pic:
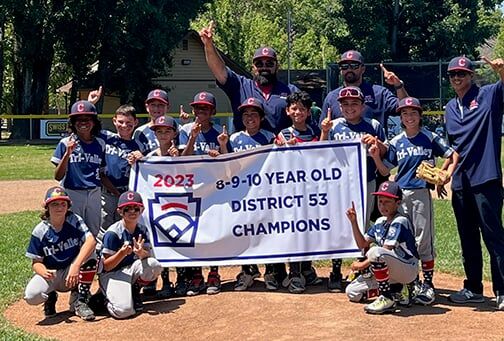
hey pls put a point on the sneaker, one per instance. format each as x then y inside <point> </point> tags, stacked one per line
<point>499,300</point>
<point>181,287</point>
<point>402,298</point>
<point>466,296</point>
<point>82,310</point>
<point>243,281</point>
<point>137,299</point>
<point>335,283</point>
<point>98,303</point>
<point>426,296</point>
<point>417,287</point>
<point>380,306</point>
<point>295,283</point>
<point>196,285</point>
<point>213,283</point>
<point>50,304</point>
<point>311,277</point>
<point>270,281</point>
<point>165,292</point>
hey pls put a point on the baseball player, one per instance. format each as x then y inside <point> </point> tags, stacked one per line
<point>61,249</point>
<point>264,85</point>
<point>407,151</point>
<point>127,264</point>
<point>393,258</point>
<point>473,125</point>
<point>80,160</point>
<point>251,137</point>
<point>353,124</point>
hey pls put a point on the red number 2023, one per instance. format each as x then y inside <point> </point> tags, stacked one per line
<point>178,180</point>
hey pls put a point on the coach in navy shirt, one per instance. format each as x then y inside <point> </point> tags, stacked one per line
<point>473,124</point>
<point>263,86</point>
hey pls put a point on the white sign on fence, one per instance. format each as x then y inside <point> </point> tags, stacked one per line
<point>266,205</point>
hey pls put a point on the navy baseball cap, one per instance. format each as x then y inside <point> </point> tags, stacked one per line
<point>164,121</point>
<point>159,95</point>
<point>204,98</point>
<point>409,102</point>
<point>389,189</point>
<point>252,102</point>
<point>351,56</point>
<point>350,92</point>
<point>265,52</point>
<point>83,108</point>
<point>461,63</point>
<point>56,193</point>
<point>130,198</point>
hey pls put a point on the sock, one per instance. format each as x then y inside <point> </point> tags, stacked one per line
<point>214,269</point>
<point>86,275</point>
<point>295,268</point>
<point>428,272</point>
<point>336,267</point>
<point>382,276</point>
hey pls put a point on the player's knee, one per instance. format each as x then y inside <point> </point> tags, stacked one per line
<point>34,297</point>
<point>375,254</point>
<point>120,311</point>
<point>353,294</point>
<point>152,268</point>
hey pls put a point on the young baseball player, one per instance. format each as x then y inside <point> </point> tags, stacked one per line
<point>407,151</point>
<point>393,258</point>
<point>200,138</point>
<point>252,113</point>
<point>79,160</point>
<point>353,125</point>
<point>61,248</point>
<point>298,109</point>
<point>127,264</point>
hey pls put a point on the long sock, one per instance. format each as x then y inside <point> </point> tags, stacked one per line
<point>86,275</point>
<point>214,269</point>
<point>336,267</point>
<point>428,272</point>
<point>382,275</point>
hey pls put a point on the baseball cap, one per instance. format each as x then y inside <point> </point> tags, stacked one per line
<point>265,52</point>
<point>130,198</point>
<point>56,193</point>
<point>389,189</point>
<point>164,121</point>
<point>351,56</point>
<point>409,102</point>
<point>252,102</point>
<point>350,92</point>
<point>158,94</point>
<point>204,98</point>
<point>461,63</point>
<point>83,108</point>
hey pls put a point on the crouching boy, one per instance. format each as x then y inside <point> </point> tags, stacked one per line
<point>393,260</point>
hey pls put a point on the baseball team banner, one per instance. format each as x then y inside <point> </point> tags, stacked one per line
<point>266,205</point>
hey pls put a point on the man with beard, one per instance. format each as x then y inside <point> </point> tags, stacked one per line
<point>263,86</point>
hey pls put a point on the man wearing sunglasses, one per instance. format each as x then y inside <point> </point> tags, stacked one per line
<point>264,85</point>
<point>473,124</point>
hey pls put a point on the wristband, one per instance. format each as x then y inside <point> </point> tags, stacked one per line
<point>400,86</point>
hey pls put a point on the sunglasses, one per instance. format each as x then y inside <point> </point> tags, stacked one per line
<point>353,66</point>
<point>267,63</point>
<point>135,209</point>
<point>460,74</point>
<point>350,93</point>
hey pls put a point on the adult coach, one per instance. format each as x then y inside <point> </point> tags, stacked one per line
<point>473,123</point>
<point>264,85</point>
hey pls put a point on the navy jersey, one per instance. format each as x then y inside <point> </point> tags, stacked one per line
<point>146,138</point>
<point>239,88</point>
<point>408,153</point>
<point>116,236</point>
<point>308,135</point>
<point>398,234</point>
<point>84,165</point>
<point>342,130</point>
<point>117,150</point>
<point>380,103</point>
<point>204,141</point>
<point>473,126</point>
<point>57,250</point>
<point>241,140</point>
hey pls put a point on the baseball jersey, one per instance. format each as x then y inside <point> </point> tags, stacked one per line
<point>116,236</point>
<point>57,250</point>
<point>308,135</point>
<point>473,126</point>
<point>239,88</point>
<point>146,138</point>
<point>117,150</point>
<point>342,130</point>
<point>204,141</point>
<point>396,234</point>
<point>84,165</point>
<point>380,103</point>
<point>407,153</point>
<point>241,140</point>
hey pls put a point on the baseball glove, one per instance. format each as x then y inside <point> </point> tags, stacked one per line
<point>431,174</point>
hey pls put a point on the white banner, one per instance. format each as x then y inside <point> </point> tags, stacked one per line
<point>266,205</point>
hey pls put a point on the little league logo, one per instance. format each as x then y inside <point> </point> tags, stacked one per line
<point>174,219</point>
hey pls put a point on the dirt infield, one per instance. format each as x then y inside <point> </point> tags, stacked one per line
<point>258,314</point>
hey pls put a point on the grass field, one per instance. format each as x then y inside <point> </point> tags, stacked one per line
<point>15,159</point>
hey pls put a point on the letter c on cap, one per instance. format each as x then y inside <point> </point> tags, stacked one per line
<point>349,55</point>
<point>265,51</point>
<point>384,186</point>
<point>131,196</point>
<point>462,62</point>
<point>80,107</point>
<point>157,93</point>
<point>202,95</point>
<point>251,100</point>
<point>409,101</point>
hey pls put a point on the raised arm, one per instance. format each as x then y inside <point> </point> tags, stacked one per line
<point>213,58</point>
